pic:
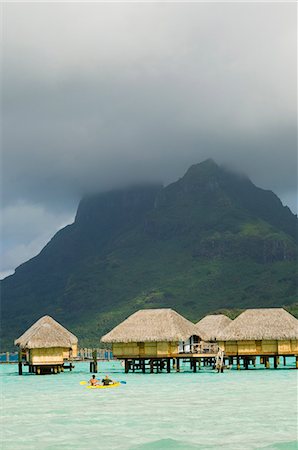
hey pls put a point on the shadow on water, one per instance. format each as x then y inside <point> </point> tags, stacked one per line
<point>169,444</point>
<point>292,445</point>
<point>172,444</point>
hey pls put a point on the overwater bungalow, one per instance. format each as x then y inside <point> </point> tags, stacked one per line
<point>153,337</point>
<point>46,347</point>
<point>210,326</point>
<point>270,332</point>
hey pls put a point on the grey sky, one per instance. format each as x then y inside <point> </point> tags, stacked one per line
<point>97,95</point>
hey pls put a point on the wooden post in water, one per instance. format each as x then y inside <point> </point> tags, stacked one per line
<point>296,362</point>
<point>177,365</point>
<point>275,362</point>
<point>168,365</point>
<point>151,366</point>
<point>199,363</point>
<point>238,363</point>
<point>126,366</point>
<point>246,363</point>
<point>94,364</point>
<point>20,363</point>
<point>267,364</point>
<point>285,362</point>
<point>194,365</point>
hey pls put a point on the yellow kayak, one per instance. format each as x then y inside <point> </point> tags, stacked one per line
<point>99,386</point>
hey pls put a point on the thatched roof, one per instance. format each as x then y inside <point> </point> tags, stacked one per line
<point>210,326</point>
<point>261,324</point>
<point>152,325</point>
<point>45,333</point>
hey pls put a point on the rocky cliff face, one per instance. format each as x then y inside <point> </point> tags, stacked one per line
<point>210,240</point>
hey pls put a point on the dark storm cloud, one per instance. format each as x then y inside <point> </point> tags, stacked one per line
<point>101,95</point>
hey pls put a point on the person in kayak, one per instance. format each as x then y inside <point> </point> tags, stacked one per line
<point>93,381</point>
<point>106,381</point>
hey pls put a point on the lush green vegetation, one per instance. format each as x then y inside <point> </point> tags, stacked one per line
<point>209,242</point>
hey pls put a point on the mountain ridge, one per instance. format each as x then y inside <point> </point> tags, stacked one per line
<point>211,240</point>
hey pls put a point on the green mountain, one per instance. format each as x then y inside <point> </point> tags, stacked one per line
<point>210,241</point>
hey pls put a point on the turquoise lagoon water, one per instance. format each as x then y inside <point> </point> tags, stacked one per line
<point>205,410</point>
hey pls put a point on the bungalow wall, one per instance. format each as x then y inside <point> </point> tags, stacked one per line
<point>75,350</point>
<point>144,349</point>
<point>265,347</point>
<point>70,353</point>
<point>44,356</point>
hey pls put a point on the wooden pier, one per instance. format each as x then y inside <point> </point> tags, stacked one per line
<point>159,365</point>
<point>197,362</point>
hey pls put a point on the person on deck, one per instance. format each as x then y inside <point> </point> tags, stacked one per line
<point>106,381</point>
<point>93,381</point>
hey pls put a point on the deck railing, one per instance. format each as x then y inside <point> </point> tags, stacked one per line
<point>201,348</point>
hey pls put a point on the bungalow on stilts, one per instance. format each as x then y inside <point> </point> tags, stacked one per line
<point>157,339</point>
<point>46,346</point>
<point>209,329</point>
<point>270,333</point>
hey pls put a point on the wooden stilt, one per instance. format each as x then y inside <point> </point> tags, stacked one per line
<point>20,368</point>
<point>143,366</point>
<point>168,365</point>
<point>194,365</point>
<point>285,361</point>
<point>199,363</point>
<point>177,365</point>
<point>267,364</point>
<point>151,365</point>
<point>238,363</point>
<point>275,362</point>
<point>126,366</point>
<point>296,362</point>
<point>174,363</point>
